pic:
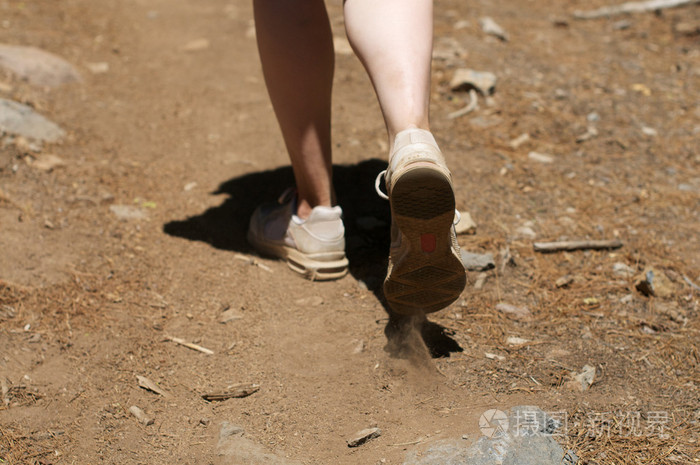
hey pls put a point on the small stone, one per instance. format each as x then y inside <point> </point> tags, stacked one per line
<point>466,79</point>
<point>196,45</point>
<point>359,347</point>
<point>520,140</point>
<point>516,341</point>
<point>489,26</point>
<point>466,224</point>
<point>189,186</point>
<point>480,280</point>
<point>651,132</point>
<point>518,313</point>
<point>228,430</point>
<point>127,212</point>
<point>16,118</point>
<point>491,356</point>
<point>37,66</point>
<point>654,283</point>
<point>477,262</point>
<point>582,381</point>
<point>622,269</point>
<point>98,68</point>
<point>564,281</point>
<point>313,301</point>
<point>230,315</point>
<point>540,157</point>
<point>687,28</point>
<point>141,416</point>
<point>204,421</point>
<point>526,232</point>
<point>363,436</point>
<point>47,162</point>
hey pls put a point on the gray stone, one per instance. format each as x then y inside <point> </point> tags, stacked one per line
<point>363,436</point>
<point>127,212</point>
<point>235,449</point>
<point>467,79</point>
<point>37,66</point>
<point>524,438</point>
<point>16,118</point>
<point>489,26</point>
<point>477,262</point>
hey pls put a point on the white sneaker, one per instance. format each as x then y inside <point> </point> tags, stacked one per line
<point>426,272</point>
<point>314,247</point>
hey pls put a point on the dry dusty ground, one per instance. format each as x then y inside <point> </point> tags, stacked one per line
<point>87,300</point>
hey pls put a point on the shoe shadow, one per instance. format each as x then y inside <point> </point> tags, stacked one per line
<point>367,220</point>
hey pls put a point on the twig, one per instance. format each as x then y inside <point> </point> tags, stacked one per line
<point>632,7</point>
<point>236,390</point>
<point>417,441</point>
<point>471,106</point>
<point>576,245</point>
<point>690,283</point>
<point>189,345</point>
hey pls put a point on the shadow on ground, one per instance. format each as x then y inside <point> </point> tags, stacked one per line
<point>367,220</point>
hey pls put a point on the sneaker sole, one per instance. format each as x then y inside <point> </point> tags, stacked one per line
<point>316,267</point>
<point>430,276</point>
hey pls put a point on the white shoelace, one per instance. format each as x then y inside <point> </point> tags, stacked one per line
<point>382,174</point>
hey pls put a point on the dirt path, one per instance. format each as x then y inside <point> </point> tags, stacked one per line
<point>87,300</point>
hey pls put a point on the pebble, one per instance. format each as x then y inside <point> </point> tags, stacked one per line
<point>520,140</point>
<point>540,157</point>
<point>654,283</point>
<point>47,162</point>
<point>622,269</point>
<point>477,262</point>
<point>516,341</point>
<point>564,281</point>
<point>466,79</point>
<point>100,67</point>
<point>16,118</point>
<point>313,301</point>
<point>141,416</point>
<point>491,356</point>
<point>466,224</point>
<point>127,212</point>
<point>514,311</point>
<point>196,45</point>
<point>230,315</point>
<point>526,232</point>
<point>37,66</point>
<point>582,381</point>
<point>363,436</point>
<point>489,26</point>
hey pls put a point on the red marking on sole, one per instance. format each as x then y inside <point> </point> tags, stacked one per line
<point>428,242</point>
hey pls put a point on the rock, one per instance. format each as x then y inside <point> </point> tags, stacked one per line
<point>140,416</point>
<point>480,280</point>
<point>522,437</point>
<point>489,26</point>
<point>127,212</point>
<point>22,120</point>
<point>363,436</point>
<point>651,132</point>
<point>526,232</point>
<point>466,79</point>
<point>359,347</point>
<point>564,281</point>
<point>477,262</point>
<point>235,449</point>
<point>98,68</point>
<point>582,381</point>
<point>516,341</point>
<point>540,157</point>
<point>466,224</point>
<point>654,283</point>
<point>230,315</point>
<point>37,66</point>
<point>687,28</point>
<point>342,46</point>
<point>313,301</point>
<point>196,45</point>
<point>622,269</point>
<point>520,140</point>
<point>47,162</point>
<point>518,313</point>
<point>491,356</point>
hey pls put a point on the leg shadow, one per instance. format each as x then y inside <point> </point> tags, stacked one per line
<point>367,220</point>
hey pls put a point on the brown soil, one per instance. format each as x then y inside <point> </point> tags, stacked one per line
<point>87,300</point>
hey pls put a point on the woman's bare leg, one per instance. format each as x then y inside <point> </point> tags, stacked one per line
<point>296,50</point>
